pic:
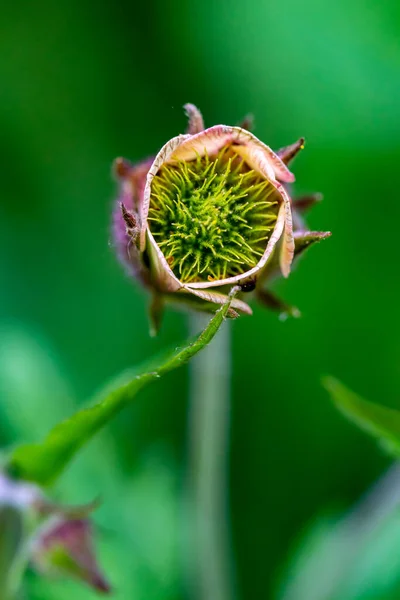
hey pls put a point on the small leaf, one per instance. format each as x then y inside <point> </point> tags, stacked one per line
<point>379,421</point>
<point>43,462</point>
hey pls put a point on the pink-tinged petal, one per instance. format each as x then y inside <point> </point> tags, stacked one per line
<point>288,153</point>
<point>211,141</point>
<point>281,171</point>
<point>255,158</point>
<point>162,276</point>
<point>162,157</point>
<point>196,123</point>
<point>218,298</point>
<point>264,160</point>
<point>287,248</point>
<point>237,279</point>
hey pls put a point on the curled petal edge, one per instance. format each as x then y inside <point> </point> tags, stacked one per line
<point>219,298</point>
<point>167,281</point>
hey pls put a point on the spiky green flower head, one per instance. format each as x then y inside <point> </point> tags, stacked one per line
<point>210,211</point>
<point>211,217</point>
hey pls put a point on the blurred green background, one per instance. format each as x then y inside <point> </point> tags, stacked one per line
<point>84,82</point>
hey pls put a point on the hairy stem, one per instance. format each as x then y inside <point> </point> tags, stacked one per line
<point>211,563</point>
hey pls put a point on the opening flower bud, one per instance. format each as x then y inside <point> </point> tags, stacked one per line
<point>211,210</point>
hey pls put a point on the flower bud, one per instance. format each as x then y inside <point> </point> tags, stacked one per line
<point>210,211</point>
<point>64,547</point>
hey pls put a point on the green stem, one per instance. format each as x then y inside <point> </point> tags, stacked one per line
<point>211,568</point>
<point>12,541</point>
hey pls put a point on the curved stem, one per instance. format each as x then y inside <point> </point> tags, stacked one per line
<point>211,569</point>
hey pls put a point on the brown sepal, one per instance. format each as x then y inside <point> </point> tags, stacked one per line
<point>304,239</point>
<point>288,153</point>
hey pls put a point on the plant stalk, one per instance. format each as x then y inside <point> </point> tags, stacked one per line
<point>211,568</point>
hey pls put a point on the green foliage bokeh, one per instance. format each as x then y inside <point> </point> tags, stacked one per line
<point>84,82</point>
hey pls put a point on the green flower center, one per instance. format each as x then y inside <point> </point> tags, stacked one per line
<point>211,218</point>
